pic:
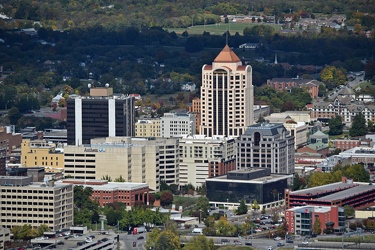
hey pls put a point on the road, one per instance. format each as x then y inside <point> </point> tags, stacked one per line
<point>129,240</point>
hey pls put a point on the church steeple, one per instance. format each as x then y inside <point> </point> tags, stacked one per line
<point>275,59</point>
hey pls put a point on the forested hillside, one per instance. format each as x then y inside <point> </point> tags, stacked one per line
<point>116,14</point>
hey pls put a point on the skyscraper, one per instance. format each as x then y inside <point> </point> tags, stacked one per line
<point>100,115</point>
<point>227,96</point>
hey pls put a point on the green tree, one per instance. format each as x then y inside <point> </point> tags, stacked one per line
<point>317,226</point>
<point>107,178</point>
<point>200,242</point>
<point>167,240</point>
<point>202,204</point>
<point>14,115</point>
<point>358,173</point>
<point>255,205</point>
<point>263,210</point>
<point>120,179</point>
<point>242,208</point>
<point>349,211</point>
<point>358,127</point>
<point>41,229</point>
<point>335,126</point>
<point>322,91</point>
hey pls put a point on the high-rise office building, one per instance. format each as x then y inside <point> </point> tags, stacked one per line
<point>227,96</point>
<point>266,145</point>
<point>100,115</point>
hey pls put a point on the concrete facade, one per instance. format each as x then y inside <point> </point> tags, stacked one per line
<point>114,157</point>
<point>203,157</point>
<point>147,128</point>
<point>24,202</point>
<point>41,153</point>
<point>266,145</point>
<point>177,124</point>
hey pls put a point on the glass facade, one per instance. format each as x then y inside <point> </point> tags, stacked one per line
<point>234,192</point>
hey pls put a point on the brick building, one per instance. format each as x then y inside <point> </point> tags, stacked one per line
<point>300,220</point>
<point>106,192</point>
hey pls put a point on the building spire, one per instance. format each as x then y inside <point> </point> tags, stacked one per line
<point>226,37</point>
<point>275,59</point>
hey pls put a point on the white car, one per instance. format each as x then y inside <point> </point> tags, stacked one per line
<point>304,242</point>
<point>270,248</point>
<point>277,238</point>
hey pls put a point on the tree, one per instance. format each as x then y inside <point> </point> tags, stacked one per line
<point>14,115</point>
<point>166,240</point>
<point>317,226</point>
<point>322,91</point>
<point>200,242</point>
<point>242,208</point>
<point>358,173</point>
<point>202,204</point>
<point>255,205</point>
<point>120,179</point>
<point>335,126</point>
<point>41,229</point>
<point>263,210</point>
<point>359,127</point>
<point>349,211</point>
<point>166,198</point>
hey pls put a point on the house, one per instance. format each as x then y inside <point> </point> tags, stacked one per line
<point>189,86</point>
<point>249,46</point>
<point>136,96</point>
<point>287,84</point>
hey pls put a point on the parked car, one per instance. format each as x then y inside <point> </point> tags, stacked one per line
<point>289,241</point>
<point>277,238</point>
<point>270,248</point>
<point>140,238</point>
<point>236,242</point>
<point>280,244</point>
<point>224,241</point>
<point>248,243</point>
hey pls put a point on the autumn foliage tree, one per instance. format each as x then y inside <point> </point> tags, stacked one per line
<point>166,198</point>
<point>333,76</point>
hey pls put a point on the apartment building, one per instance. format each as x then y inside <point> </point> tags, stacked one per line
<point>43,154</point>
<point>227,96</point>
<point>35,203</point>
<point>202,157</point>
<point>147,128</point>
<point>266,145</point>
<point>102,114</point>
<point>177,124</point>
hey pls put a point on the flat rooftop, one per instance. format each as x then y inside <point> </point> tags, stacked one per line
<point>261,180</point>
<point>324,189</point>
<point>354,191</point>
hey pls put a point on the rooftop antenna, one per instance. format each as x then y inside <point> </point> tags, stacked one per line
<point>226,38</point>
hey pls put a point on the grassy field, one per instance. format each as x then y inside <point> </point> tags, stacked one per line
<point>363,239</point>
<point>219,28</point>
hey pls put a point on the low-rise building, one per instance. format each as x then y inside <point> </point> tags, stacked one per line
<point>255,184</point>
<point>301,220</point>
<point>9,138</point>
<point>105,192</point>
<point>147,128</point>
<point>347,192</point>
<point>42,153</point>
<point>35,203</point>
<point>297,129</point>
<point>177,124</point>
